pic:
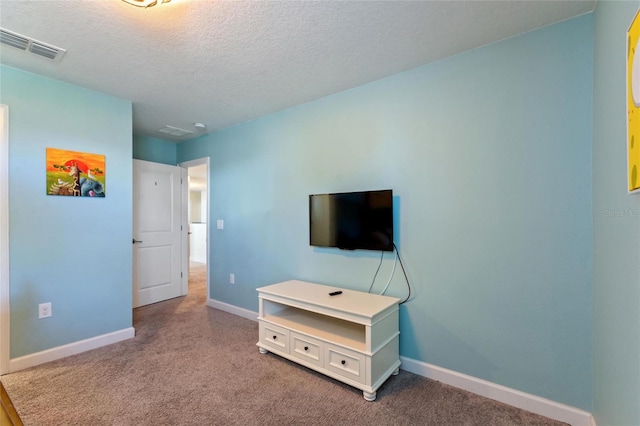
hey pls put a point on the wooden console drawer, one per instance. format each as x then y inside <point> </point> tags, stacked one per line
<point>306,348</point>
<point>345,362</point>
<point>274,336</point>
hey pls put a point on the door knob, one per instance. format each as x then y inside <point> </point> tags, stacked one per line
<point>136,241</point>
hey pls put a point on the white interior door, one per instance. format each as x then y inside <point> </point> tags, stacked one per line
<point>157,236</point>
<point>4,240</point>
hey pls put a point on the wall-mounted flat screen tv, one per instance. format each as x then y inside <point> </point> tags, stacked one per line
<point>352,220</point>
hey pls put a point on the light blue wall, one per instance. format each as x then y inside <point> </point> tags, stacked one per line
<point>74,252</point>
<point>489,157</point>
<point>616,227</point>
<point>154,149</point>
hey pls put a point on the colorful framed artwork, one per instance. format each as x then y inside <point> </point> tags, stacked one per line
<point>633,106</point>
<point>78,174</point>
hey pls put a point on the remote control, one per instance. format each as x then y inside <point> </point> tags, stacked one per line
<point>335,293</point>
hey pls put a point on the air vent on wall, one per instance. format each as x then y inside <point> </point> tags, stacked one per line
<point>34,46</point>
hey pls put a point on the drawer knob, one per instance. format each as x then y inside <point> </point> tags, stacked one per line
<point>275,337</point>
<point>343,362</point>
<point>306,348</point>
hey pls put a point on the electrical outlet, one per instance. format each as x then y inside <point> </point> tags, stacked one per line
<point>220,224</point>
<point>44,310</point>
<point>232,278</point>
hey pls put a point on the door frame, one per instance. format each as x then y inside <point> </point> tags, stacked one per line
<point>185,200</point>
<point>5,329</point>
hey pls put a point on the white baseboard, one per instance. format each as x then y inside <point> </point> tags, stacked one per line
<point>535,404</point>
<point>241,312</point>
<point>53,354</point>
<point>515,398</point>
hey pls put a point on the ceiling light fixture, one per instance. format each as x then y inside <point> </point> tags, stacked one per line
<point>145,3</point>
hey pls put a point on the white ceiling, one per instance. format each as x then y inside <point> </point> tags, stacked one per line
<point>224,62</point>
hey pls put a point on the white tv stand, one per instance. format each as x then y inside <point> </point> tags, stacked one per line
<point>352,337</point>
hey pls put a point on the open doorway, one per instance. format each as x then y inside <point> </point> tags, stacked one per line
<point>198,215</point>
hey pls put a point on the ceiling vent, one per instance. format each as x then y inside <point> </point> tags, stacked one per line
<point>30,45</point>
<point>175,131</point>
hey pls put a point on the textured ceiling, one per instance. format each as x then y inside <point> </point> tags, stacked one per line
<point>225,62</point>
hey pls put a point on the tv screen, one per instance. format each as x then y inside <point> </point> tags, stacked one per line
<point>352,220</point>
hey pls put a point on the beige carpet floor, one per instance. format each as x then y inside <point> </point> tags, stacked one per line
<point>193,365</point>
